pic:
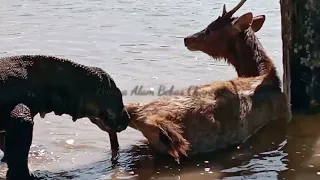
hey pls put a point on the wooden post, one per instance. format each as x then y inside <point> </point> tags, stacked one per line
<point>300,21</point>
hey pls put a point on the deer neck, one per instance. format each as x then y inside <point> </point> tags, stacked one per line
<point>250,59</point>
<point>248,56</point>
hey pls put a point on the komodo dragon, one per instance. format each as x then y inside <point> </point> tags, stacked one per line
<point>32,84</point>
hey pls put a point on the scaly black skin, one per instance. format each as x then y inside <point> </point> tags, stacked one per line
<point>42,84</point>
<point>18,141</point>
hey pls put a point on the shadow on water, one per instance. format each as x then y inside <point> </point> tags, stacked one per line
<point>277,151</point>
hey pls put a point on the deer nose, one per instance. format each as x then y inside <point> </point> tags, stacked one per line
<point>189,40</point>
<point>186,41</point>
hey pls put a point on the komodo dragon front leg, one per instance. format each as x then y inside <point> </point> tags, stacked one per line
<point>18,139</point>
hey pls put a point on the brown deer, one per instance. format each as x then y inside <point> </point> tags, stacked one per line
<point>220,114</point>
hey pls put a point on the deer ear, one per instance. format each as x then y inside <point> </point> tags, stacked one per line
<point>257,22</point>
<point>243,22</point>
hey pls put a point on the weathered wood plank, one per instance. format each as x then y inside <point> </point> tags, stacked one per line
<point>301,52</point>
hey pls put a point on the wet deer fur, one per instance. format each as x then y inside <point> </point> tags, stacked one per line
<point>219,114</point>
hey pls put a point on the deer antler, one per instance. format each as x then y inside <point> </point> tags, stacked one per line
<point>231,12</point>
<point>224,11</point>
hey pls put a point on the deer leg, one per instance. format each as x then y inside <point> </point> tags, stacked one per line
<point>2,145</point>
<point>19,134</point>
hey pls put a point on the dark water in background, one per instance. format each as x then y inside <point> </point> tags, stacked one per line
<point>141,43</point>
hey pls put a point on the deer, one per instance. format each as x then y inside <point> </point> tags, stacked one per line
<point>221,114</point>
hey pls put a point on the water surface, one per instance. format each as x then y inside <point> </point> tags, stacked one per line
<point>140,43</point>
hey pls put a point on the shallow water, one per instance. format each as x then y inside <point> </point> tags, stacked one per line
<point>140,43</point>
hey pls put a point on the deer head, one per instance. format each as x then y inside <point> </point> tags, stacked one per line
<point>231,38</point>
